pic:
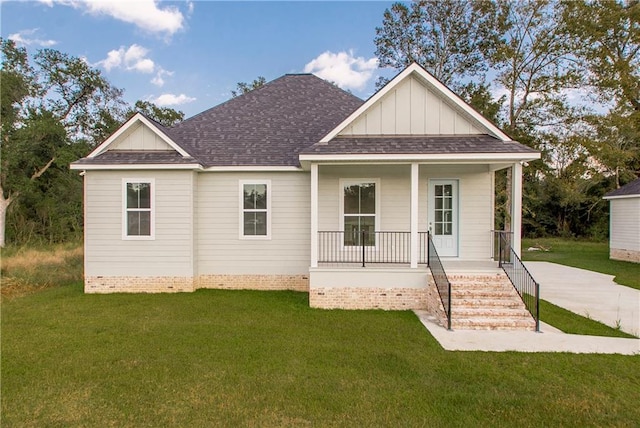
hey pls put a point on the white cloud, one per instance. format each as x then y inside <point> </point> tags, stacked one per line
<point>145,14</point>
<point>133,58</point>
<point>347,71</point>
<point>158,80</point>
<point>172,100</point>
<point>25,38</point>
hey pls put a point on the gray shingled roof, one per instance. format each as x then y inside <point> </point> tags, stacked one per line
<point>272,125</point>
<point>628,189</point>
<point>267,126</point>
<point>418,144</point>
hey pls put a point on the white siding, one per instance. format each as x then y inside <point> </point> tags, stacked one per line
<point>220,249</point>
<point>169,254</point>
<point>475,200</point>
<point>411,108</point>
<point>625,224</point>
<point>395,191</point>
<point>474,206</point>
<point>139,137</point>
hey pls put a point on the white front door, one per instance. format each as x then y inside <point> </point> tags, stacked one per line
<point>443,216</point>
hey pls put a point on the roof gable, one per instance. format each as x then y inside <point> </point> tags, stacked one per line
<point>139,134</point>
<point>415,103</point>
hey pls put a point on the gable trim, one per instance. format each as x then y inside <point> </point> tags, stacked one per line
<point>87,167</point>
<point>440,88</point>
<point>138,117</point>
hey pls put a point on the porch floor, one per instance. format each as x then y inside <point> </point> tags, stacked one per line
<point>450,266</point>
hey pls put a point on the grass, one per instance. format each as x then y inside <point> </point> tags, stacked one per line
<point>573,323</point>
<point>585,255</point>
<point>247,358</point>
<point>25,270</point>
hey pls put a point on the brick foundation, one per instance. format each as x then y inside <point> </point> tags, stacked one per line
<point>137,284</point>
<point>169,284</point>
<point>624,255</point>
<point>368,298</point>
<point>255,282</point>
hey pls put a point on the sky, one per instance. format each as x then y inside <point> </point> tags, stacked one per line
<point>190,55</point>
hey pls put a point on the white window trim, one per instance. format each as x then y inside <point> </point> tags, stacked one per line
<point>351,181</point>
<point>125,235</point>
<point>241,184</point>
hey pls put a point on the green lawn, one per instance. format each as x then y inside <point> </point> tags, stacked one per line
<point>573,323</point>
<point>247,358</point>
<point>583,254</point>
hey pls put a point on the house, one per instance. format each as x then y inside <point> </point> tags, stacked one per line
<point>300,185</point>
<point>624,222</point>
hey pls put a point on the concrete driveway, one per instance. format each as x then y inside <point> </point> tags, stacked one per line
<point>590,294</point>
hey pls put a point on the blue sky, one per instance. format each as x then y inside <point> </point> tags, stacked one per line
<point>189,55</point>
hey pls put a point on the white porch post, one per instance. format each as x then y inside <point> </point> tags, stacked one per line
<point>314,215</point>
<point>516,206</point>
<point>414,215</point>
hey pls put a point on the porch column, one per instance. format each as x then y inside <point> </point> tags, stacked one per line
<point>314,215</point>
<point>414,215</point>
<point>516,206</point>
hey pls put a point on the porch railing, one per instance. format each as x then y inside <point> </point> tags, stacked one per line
<point>498,238</point>
<point>440,278</point>
<point>368,247</point>
<point>521,279</point>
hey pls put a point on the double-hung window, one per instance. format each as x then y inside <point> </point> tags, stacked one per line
<point>359,212</point>
<point>138,215</point>
<point>255,209</point>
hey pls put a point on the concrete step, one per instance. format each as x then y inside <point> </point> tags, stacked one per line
<point>479,302</point>
<point>483,294</point>
<point>493,324</point>
<point>489,313</point>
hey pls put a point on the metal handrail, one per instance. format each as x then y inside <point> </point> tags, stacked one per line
<point>443,285</point>
<point>368,247</point>
<point>521,279</point>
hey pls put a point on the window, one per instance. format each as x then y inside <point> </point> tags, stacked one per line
<point>138,221</point>
<point>359,212</point>
<point>443,209</point>
<point>255,209</point>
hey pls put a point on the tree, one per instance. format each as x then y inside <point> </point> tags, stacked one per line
<point>77,94</point>
<point>606,37</point>
<point>163,115</point>
<point>449,38</point>
<point>243,87</point>
<point>52,113</point>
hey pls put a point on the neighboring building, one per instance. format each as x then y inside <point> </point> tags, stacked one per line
<point>287,186</point>
<point>624,222</point>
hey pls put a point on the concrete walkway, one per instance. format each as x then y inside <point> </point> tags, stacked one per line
<point>591,294</point>
<point>549,340</point>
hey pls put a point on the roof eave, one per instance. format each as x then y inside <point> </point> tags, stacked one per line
<point>114,167</point>
<point>444,158</point>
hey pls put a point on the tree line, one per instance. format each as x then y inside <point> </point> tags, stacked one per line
<point>55,108</point>
<point>519,63</point>
<point>541,55</point>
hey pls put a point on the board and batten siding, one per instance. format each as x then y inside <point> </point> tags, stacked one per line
<point>412,109</point>
<point>625,223</point>
<point>169,254</point>
<point>221,251</point>
<point>139,137</point>
<point>475,213</point>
